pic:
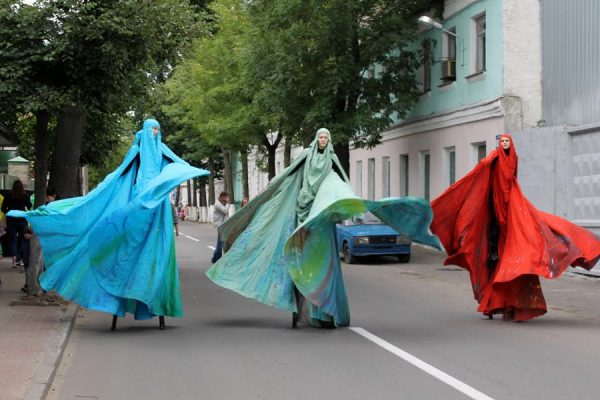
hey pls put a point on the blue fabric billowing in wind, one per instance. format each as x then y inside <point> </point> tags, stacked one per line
<point>114,250</point>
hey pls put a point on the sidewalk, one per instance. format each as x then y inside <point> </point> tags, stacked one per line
<point>32,339</point>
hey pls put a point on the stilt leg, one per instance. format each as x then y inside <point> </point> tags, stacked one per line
<point>294,320</point>
<point>161,322</point>
<point>114,323</point>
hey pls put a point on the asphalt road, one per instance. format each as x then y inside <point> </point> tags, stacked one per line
<point>428,342</point>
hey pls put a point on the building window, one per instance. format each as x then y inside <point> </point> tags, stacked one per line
<point>450,153</point>
<point>480,50</point>
<point>426,68</point>
<point>403,174</point>
<point>386,167</point>
<point>449,60</point>
<point>479,151</point>
<point>358,178</point>
<point>371,178</point>
<point>426,174</point>
<point>451,44</point>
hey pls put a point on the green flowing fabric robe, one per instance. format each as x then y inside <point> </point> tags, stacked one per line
<point>268,252</point>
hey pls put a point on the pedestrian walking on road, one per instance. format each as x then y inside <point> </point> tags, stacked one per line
<point>17,199</point>
<point>281,246</point>
<point>113,250</point>
<point>489,228</point>
<point>219,216</point>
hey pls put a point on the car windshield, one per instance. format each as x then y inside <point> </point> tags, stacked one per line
<point>364,219</point>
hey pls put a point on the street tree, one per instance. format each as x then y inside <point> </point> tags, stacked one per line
<point>77,60</point>
<point>313,65</point>
<point>208,94</point>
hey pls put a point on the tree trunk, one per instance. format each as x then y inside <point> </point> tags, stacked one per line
<point>42,118</point>
<point>271,151</point>
<point>202,190</point>
<point>194,193</point>
<point>228,175</point>
<point>189,192</point>
<point>36,266</point>
<point>342,150</point>
<point>64,176</point>
<point>177,196</point>
<point>287,152</point>
<point>211,182</point>
<point>245,182</point>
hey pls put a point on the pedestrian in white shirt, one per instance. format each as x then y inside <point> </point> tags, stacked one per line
<point>220,215</point>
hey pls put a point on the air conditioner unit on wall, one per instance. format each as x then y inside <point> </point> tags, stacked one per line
<point>449,70</point>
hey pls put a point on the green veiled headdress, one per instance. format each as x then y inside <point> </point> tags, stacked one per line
<point>318,164</point>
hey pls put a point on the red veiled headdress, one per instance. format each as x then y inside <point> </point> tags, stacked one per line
<point>508,159</point>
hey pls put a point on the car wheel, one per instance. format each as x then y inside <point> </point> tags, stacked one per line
<point>348,257</point>
<point>404,258</point>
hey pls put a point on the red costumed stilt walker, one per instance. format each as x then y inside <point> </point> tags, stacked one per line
<point>489,228</point>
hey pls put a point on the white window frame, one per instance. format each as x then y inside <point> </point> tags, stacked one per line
<point>426,67</point>
<point>404,176</point>
<point>371,178</point>
<point>425,174</point>
<point>475,152</point>
<point>386,170</point>
<point>358,177</point>
<point>449,179</point>
<point>479,43</point>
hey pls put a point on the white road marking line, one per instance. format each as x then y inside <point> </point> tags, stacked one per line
<point>422,365</point>
<point>189,237</point>
<point>211,247</point>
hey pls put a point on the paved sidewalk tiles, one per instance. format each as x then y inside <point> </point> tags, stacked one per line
<point>33,335</point>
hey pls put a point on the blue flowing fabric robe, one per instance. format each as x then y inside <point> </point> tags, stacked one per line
<point>268,253</point>
<point>114,250</point>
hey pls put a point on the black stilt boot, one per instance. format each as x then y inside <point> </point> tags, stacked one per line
<point>114,323</point>
<point>161,322</point>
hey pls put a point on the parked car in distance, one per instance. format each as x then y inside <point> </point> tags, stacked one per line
<point>366,235</point>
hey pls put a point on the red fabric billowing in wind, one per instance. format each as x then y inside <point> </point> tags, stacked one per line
<point>530,243</point>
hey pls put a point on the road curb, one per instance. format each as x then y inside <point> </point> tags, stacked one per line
<point>45,373</point>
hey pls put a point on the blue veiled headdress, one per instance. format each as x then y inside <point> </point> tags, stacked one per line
<point>150,152</point>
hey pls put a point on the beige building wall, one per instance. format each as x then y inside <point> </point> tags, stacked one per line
<point>464,139</point>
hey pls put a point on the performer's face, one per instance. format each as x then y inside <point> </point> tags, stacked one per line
<point>505,143</point>
<point>155,130</point>
<point>323,140</point>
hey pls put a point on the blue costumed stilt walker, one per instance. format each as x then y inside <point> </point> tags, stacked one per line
<point>114,249</point>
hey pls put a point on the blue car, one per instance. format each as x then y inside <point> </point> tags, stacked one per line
<point>366,235</point>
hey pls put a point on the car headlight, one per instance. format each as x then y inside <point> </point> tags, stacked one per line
<point>361,240</point>
<point>401,239</point>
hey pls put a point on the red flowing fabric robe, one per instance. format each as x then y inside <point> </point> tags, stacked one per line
<point>486,210</point>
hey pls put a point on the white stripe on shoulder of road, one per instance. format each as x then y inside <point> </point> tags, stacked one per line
<point>211,247</point>
<point>422,365</point>
<point>189,237</point>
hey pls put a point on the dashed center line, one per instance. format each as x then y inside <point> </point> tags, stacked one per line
<point>423,366</point>
<point>189,237</point>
